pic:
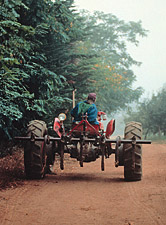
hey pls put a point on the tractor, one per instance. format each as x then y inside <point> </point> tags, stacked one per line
<point>85,142</point>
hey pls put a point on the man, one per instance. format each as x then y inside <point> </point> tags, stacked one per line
<point>84,107</point>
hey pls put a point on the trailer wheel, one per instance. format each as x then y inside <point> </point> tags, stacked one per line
<point>35,152</point>
<point>133,161</point>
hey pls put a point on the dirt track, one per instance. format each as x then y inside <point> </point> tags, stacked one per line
<point>88,196</point>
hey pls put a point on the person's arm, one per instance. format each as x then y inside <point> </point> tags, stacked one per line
<point>74,111</point>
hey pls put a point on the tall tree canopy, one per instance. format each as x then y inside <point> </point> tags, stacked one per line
<point>46,47</point>
<point>36,38</point>
<point>110,75</point>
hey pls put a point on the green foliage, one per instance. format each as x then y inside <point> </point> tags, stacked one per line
<point>107,67</point>
<point>151,113</point>
<point>14,97</point>
<point>36,61</point>
<point>47,50</point>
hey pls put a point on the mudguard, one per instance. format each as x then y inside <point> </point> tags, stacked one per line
<point>110,128</point>
<point>57,126</point>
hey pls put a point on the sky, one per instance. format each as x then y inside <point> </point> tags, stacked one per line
<point>151,51</point>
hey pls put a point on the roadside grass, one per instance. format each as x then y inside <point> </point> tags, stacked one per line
<point>157,139</point>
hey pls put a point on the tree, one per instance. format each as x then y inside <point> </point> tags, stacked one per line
<point>15,98</point>
<point>47,49</point>
<point>151,113</point>
<point>112,77</point>
<point>35,35</point>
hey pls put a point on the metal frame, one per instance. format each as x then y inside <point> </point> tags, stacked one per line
<point>98,141</point>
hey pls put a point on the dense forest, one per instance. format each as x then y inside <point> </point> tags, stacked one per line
<point>48,48</point>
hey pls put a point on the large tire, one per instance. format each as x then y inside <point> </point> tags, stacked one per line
<point>34,152</point>
<point>132,173</point>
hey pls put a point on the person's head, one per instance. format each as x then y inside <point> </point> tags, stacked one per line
<point>92,97</point>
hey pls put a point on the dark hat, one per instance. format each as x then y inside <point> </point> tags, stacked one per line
<point>92,96</point>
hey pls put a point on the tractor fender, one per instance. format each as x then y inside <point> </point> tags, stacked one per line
<point>57,126</point>
<point>110,128</point>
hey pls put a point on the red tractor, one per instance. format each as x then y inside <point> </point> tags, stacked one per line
<point>86,143</point>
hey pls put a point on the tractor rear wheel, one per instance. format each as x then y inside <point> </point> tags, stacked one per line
<point>35,152</point>
<point>133,157</point>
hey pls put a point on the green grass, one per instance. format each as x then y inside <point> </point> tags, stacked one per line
<point>157,139</point>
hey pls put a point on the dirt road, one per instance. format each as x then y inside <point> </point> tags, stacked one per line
<point>78,196</point>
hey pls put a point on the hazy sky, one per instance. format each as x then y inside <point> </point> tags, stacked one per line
<point>152,49</point>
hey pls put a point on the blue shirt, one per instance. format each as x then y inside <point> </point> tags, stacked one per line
<point>84,107</point>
